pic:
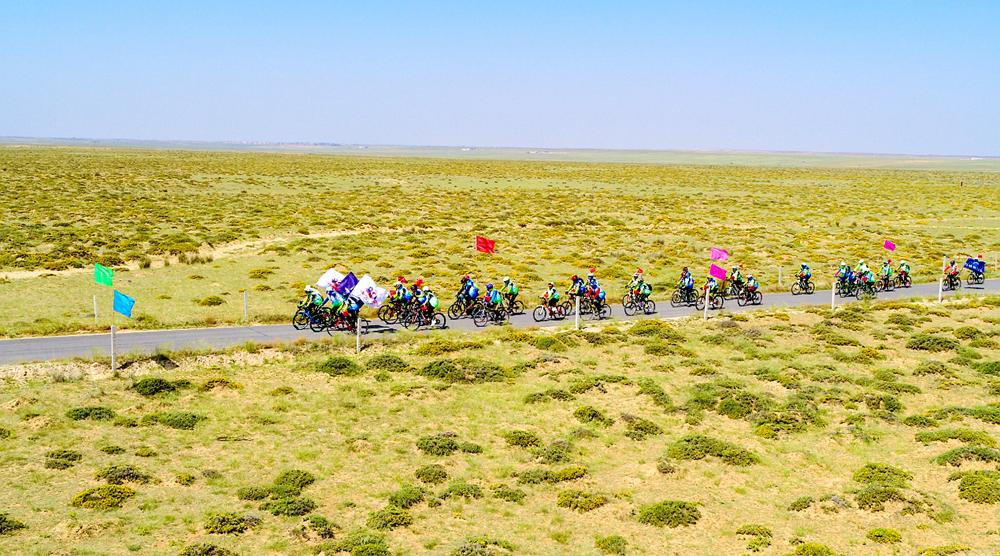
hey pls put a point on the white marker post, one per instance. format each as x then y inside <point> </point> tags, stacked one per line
<point>940,289</point>
<point>95,309</point>
<point>576,313</point>
<point>114,358</point>
<point>357,329</point>
<point>706,303</point>
<point>246,306</point>
<point>779,275</point>
<point>833,294</point>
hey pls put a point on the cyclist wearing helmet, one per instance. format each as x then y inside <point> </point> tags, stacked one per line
<point>686,282</point>
<point>469,292</point>
<point>401,294</point>
<point>551,295</point>
<point>313,297</point>
<point>592,281</point>
<point>887,269</point>
<point>904,268</point>
<point>951,270</point>
<point>711,285</point>
<point>428,301</point>
<point>509,290</point>
<point>805,274</point>
<point>736,277</point>
<point>862,268</point>
<point>336,300</point>
<point>594,290</point>
<point>578,287</point>
<point>752,284</point>
<point>493,297</point>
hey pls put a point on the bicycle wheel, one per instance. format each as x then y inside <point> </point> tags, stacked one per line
<point>300,320</point>
<point>320,321</point>
<point>758,298</point>
<point>408,319</point>
<point>717,301</point>
<point>567,309</point>
<point>456,309</point>
<point>676,300</point>
<point>386,314</point>
<point>439,321</point>
<point>742,300</point>
<point>699,303</point>
<point>796,288</point>
<point>810,287</point>
<point>480,316</point>
<point>540,313</point>
<point>649,307</point>
<point>517,308</point>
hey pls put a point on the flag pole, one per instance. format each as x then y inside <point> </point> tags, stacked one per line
<point>357,330</point>
<point>576,300</point>
<point>706,302</point>
<point>114,359</point>
<point>833,294</point>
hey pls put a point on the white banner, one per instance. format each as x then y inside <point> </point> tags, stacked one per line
<point>369,293</point>
<point>329,279</point>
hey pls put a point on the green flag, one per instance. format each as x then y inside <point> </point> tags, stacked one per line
<point>103,274</point>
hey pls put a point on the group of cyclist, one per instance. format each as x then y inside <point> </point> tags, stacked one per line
<point>862,277</point>
<point>734,279</point>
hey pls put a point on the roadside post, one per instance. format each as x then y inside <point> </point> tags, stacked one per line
<point>940,289</point>
<point>833,294</point>
<point>114,357</point>
<point>95,309</point>
<point>706,303</point>
<point>576,313</point>
<point>246,306</point>
<point>357,330</point>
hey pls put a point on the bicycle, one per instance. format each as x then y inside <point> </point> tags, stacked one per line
<point>885,284</point>
<point>515,307</point>
<point>683,296</point>
<point>461,308</point>
<point>634,302</point>
<point>952,282</point>
<point>803,285</point>
<point>975,278</point>
<point>748,297</point>
<point>903,280</point>
<point>486,313</point>
<point>417,318</point>
<point>715,301</point>
<point>545,312</point>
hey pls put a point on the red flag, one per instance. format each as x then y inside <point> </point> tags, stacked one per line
<point>485,245</point>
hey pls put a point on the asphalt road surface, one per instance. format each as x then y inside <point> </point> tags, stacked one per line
<point>89,345</point>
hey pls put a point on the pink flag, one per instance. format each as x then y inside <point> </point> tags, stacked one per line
<point>718,272</point>
<point>889,245</point>
<point>719,254</point>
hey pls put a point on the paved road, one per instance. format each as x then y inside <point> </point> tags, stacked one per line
<point>89,345</point>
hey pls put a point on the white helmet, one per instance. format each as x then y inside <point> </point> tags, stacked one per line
<point>506,279</point>
<point>427,288</point>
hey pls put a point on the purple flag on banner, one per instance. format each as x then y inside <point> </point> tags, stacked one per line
<point>889,245</point>
<point>719,254</point>
<point>347,284</point>
<point>718,272</point>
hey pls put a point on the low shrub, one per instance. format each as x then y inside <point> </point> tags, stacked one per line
<point>946,550</point>
<point>590,414</point>
<point>483,546</point>
<point>989,368</point>
<point>440,346</point>
<point>813,549</point>
<point>638,428</point>
<point>406,497</point>
<point>461,489</point>
<point>388,362</point>
<point>522,439</point>
<point>980,487</point>
<point>761,536</point>
<point>509,494</point>
<point>205,549</point>
<point>121,474</point>
<point>655,328</point>
<point>289,506</point>
<point>930,342</point>
<point>580,500</point>
<point>93,413</point>
<point>919,421</point>
<point>550,394</point>
<point>184,479</point>
<point>568,473</point>
<point>557,452</point>
<point>230,523</point>
<point>282,391</point>
<point>218,382</point>
<point>669,513</point>
<point>362,543</point>
<point>324,528</point>
<point>612,544</point>
<point>210,301</point>
<point>933,368</point>
<point>649,387</point>
<point>882,474</point>
<point>431,474</point>
<point>466,370</point>
<point>665,467</point>
<point>956,456</point>
<point>152,386</point>
<point>801,503</point>
<point>884,536</point>
<point>252,493</point>
<point>294,479</point>
<point>104,497</point>
<point>699,446</point>
<point>9,525</point>
<point>968,436</point>
<point>389,518</point>
<point>174,419</point>
<point>145,452</point>
<point>6,433</point>
<point>339,366</point>
<point>62,459</point>
<point>440,444</point>
<point>874,496</point>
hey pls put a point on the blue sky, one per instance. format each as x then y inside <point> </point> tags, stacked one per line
<point>917,77</point>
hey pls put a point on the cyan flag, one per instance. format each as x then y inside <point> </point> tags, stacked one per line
<point>123,304</point>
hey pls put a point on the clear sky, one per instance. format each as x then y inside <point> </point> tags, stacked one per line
<point>920,77</point>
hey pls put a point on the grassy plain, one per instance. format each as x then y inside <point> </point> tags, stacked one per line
<point>216,217</point>
<point>758,430</point>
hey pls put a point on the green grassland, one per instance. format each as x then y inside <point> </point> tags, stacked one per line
<point>183,226</point>
<point>871,430</point>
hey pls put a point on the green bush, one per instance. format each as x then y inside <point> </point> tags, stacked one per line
<point>919,421</point>
<point>874,496</point>
<point>389,518</point>
<point>206,549</point>
<point>655,328</point>
<point>612,544</point>
<point>930,342</point>
<point>406,497</point>
<point>801,503</point>
<point>252,493</point>
<point>289,506</point>
<point>534,476</point>
<point>431,474</point>
<point>295,479</point>
<point>362,542</point>
<point>522,439</point>
<point>884,536</point>
<point>974,453</point>
<point>218,382</point>
<point>440,444</point>
<point>638,428</point>
<point>93,413</point>
<point>933,368</point>
<point>699,446</point>
<point>967,332</point>
<point>145,452</point>
<point>339,366</point>
<point>968,436</point>
<point>580,500</point>
<point>550,394</point>
<point>174,419</point>
<point>184,479</point>
<point>229,523</point>
<point>461,489</point>
<point>62,459</point>
<point>440,346</point>
<point>6,433</point>
<point>210,301</point>
<point>669,513</point>
<point>557,452</point>
<point>324,528</point>
<point>509,494</point>
<point>761,536</point>
<point>590,414</point>
<point>946,550</point>
<point>813,549</point>
<point>9,525</point>
<point>151,386</point>
<point>126,422</point>
<point>569,473</point>
<point>388,362</point>
<point>465,370</point>
<point>121,474</point>
<point>649,387</point>
<point>882,474</point>
<point>104,497</point>
<point>989,368</point>
<point>259,273</point>
<point>980,487</point>
<point>483,546</point>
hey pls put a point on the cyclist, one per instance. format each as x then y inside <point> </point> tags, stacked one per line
<point>887,269</point>
<point>469,291</point>
<point>951,271</point>
<point>492,297</point>
<point>686,282</point>
<point>401,294</point>
<point>752,284</point>
<point>805,274</point>
<point>336,300</point>
<point>736,277</point>
<point>313,297</point>
<point>550,298</point>
<point>428,302</point>
<point>904,269</point>
<point>509,290</point>
<point>352,307</point>
<point>578,286</point>
<point>862,267</point>
<point>711,285</point>
<point>639,288</point>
